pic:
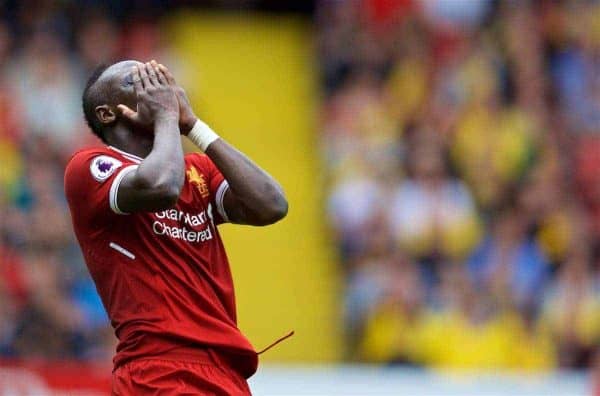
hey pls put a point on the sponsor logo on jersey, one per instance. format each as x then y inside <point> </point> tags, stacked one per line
<point>103,166</point>
<point>177,224</point>
<point>197,179</point>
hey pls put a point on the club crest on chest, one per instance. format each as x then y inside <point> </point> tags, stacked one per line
<point>197,179</point>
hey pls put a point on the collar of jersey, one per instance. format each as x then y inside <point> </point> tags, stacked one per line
<point>125,154</point>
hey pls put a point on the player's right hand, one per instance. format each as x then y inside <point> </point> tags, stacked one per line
<point>156,98</point>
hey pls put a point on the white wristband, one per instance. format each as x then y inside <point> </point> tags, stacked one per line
<point>201,135</point>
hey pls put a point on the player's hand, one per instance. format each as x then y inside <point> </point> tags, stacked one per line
<point>156,98</point>
<point>187,118</point>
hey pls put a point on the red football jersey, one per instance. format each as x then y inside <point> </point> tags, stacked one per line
<point>163,277</point>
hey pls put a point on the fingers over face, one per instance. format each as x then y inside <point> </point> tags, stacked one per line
<point>159,74</point>
<point>127,112</point>
<point>152,74</point>
<point>167,74</point>
<point>144,76</point>
<point>137,79</point>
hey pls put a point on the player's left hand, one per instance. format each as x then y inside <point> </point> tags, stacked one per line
<point>187,118</point>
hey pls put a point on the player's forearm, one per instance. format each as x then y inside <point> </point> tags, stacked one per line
<point>259,199</point>
<point>162,170</point>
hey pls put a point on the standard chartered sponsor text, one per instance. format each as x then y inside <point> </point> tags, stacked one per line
<point>183,219</point>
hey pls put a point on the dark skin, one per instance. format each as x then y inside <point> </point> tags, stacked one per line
<point>152,131</point>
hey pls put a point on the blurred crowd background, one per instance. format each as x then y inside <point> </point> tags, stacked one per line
<point>460,141</point>
<point>462,146</point>
<point>49,307</point>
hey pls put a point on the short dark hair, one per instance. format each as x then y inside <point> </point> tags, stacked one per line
<point>91,98</point>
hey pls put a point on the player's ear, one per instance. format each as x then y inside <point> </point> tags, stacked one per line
<point>105,114</point>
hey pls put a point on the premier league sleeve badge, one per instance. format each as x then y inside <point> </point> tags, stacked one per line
<point>103,166</point>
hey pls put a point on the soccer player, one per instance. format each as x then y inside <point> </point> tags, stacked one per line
<point>146,218</point>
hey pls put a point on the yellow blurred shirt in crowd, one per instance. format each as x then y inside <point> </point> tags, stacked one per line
<point>449,341</point>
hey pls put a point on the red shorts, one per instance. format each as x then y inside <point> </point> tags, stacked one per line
<point>198,376</point>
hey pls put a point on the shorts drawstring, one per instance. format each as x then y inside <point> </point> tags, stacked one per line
<point>285,337</point>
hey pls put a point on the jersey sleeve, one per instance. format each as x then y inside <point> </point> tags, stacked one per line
<point>91,185</point>
<point>217,185</point>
